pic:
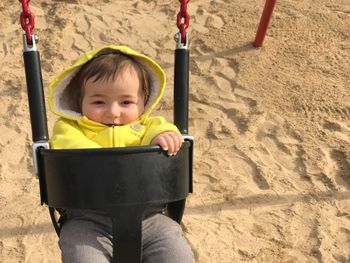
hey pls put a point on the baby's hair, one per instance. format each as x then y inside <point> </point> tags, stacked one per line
<point>104,65</point>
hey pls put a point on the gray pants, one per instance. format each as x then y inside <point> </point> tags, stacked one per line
<point>86,237</point>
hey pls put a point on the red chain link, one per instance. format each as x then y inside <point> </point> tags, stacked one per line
<point>183,20</point>
<point>27,20</point>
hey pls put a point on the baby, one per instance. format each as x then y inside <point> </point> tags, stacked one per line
<point>105,100</point>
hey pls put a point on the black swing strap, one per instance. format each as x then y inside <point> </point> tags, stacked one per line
<point>181,73</point>
<point>181,95</point>
<point>33,76</point>
<point>35,90</point>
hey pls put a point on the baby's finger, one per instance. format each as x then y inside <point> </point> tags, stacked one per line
<point>180,139</point>
<point>163,143</point>
<point>171,145</point>
<point>177,140</point>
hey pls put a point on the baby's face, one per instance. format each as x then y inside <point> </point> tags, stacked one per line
<point>114,101</point>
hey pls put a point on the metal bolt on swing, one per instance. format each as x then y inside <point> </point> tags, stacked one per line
<point>178,39</point>
<point>34,39</point>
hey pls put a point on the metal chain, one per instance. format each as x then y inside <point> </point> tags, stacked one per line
<point>183,20</point>
<point>27,20</point>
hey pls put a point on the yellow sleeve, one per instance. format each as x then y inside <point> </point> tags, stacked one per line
<point>155,126</point>
<point>67,135</point>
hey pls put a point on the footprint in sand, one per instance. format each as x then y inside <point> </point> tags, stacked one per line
<point>203,21</point>
<point>236,111</point>
<point>220,71</point>
<point>343,237</point>
<point>278,148</point>
<point>338,129</point>
<point>319,110</point>
<point>337,8</point>
<point>267,143</point>
<point>336,169</point>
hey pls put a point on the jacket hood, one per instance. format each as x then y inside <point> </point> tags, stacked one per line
<point>59,103</point>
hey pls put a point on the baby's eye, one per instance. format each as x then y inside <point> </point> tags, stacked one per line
<point>98,102</point>
<point>126,102</point>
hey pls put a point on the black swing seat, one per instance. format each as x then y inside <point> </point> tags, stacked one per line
<point>121,181</point>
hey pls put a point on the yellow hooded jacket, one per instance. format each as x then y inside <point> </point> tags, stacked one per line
<point>73,130</point>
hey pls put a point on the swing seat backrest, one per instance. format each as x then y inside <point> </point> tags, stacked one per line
<point>120,181</point>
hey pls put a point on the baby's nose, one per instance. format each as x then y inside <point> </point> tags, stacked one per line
<point>113,110</point>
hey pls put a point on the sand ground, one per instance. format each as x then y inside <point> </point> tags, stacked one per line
<point>271,125</point>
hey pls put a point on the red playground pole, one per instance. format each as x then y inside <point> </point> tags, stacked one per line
<point>264,22</point>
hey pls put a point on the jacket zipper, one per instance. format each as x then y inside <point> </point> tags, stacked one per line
<point>113,139</point>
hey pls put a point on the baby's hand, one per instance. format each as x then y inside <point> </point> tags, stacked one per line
<point>169,141</point>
